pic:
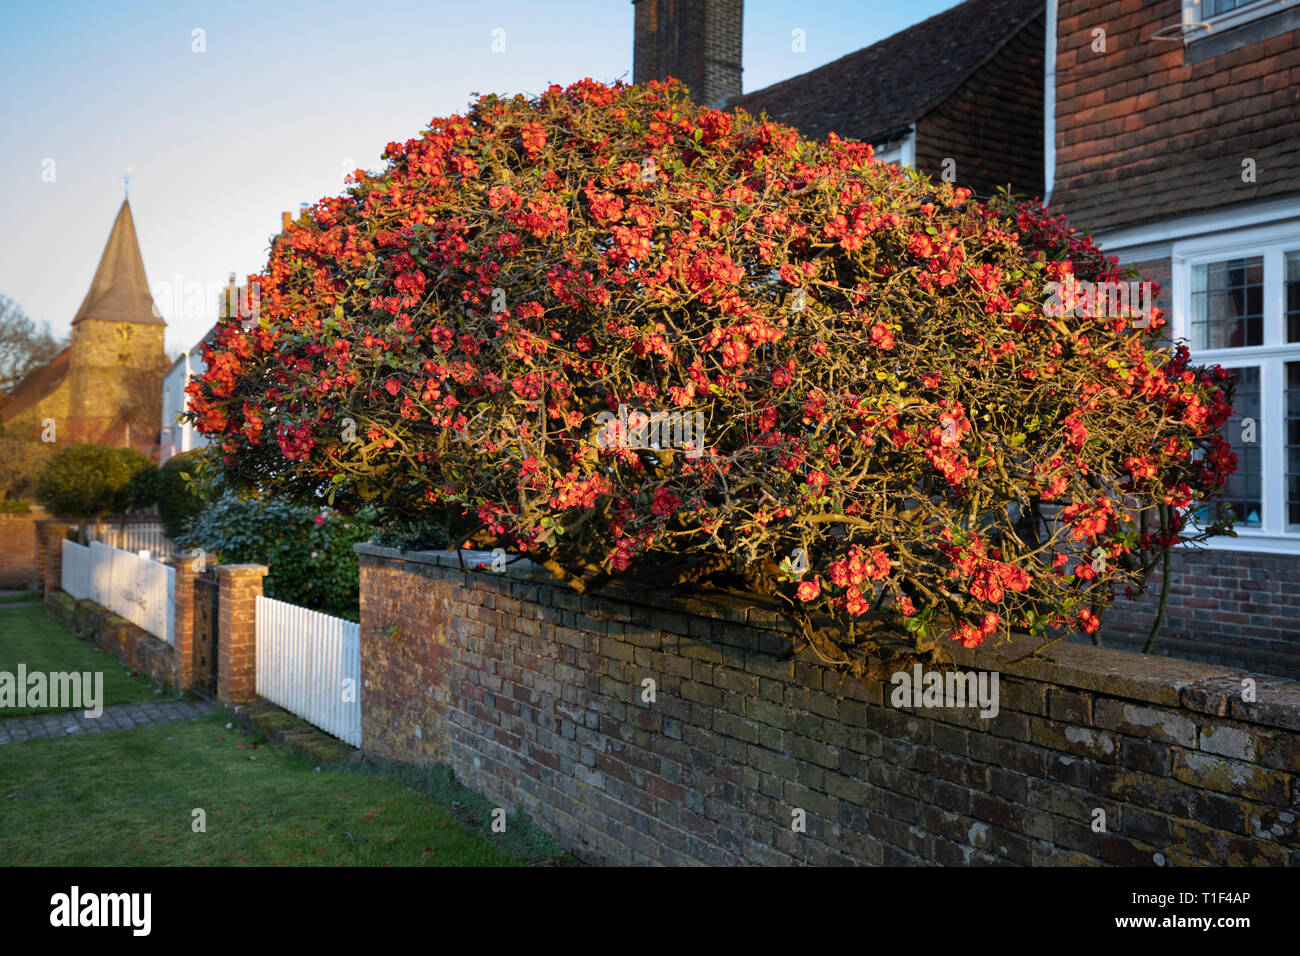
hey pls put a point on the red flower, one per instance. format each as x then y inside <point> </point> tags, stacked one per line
<point>810,590</point>
<point>534,138</point>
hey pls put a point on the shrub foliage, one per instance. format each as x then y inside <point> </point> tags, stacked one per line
<point>900,443</point>
<point>177,502</point>
<point>308,551</point>
<point>88,481</point>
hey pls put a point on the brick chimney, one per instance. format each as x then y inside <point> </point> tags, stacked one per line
<point>695,41</point>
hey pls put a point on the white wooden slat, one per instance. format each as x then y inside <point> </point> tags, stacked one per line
<point>303,657</point>
<point>141,590</point>
<point>75,569</point>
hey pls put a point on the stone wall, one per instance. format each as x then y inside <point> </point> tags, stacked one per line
<point>534,695</point>
<point>115,385</point>
<point>131,645</point>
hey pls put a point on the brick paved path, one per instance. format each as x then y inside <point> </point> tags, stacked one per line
<point>117,717</point>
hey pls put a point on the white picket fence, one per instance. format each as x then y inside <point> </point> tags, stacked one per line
<point>76,570</point>
<point>139,589</point>
<point>134,536</point>
<point>310,664</point>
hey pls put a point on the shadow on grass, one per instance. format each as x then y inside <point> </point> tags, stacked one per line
<point>439,783</point>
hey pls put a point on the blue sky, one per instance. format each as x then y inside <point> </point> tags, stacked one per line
<point>285,99</point>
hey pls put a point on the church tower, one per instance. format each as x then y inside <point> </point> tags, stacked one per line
<point>117,363</point>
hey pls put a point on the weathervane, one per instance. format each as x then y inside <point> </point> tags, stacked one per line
<point>126,182</point>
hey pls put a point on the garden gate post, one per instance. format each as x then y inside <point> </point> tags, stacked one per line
<point>50,533</point>
<point>238,588</point>
<point>183,616</point>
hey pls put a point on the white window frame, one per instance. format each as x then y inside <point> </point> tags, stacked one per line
<point>902,152</point>
<point>1272,242</point>
<point>1198,28</point>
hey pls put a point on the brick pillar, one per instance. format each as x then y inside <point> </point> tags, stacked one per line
<point>49,554</point>
<point>183,627</point>
<point>238,587</point>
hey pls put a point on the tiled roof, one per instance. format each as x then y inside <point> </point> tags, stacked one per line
<point>895,82</point>
<point>36,385</point>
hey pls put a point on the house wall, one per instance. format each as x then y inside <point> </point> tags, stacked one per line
<point>177,438</point>
<point>1234,608</point>
<point>1224,607</point>
<point>534,696</point>
<point>1145,131</point>
<point>991,126</point>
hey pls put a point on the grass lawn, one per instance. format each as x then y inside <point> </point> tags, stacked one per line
<point>125,798</point>
<point>29,636</point>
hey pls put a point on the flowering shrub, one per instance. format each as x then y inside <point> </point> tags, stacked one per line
<point>308,550</point>
<point>900,442</point>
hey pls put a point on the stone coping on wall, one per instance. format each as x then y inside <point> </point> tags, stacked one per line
<point>1204,688</point>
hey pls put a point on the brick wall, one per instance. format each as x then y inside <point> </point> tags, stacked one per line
<point>1145,130</point>
<point>238,587</point>
<point>18,549</point>
<point>50,533</point>
<point>533,695</point>
<point>1225,607</point>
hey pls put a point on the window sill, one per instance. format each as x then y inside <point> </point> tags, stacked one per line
<point>1257,542</point>
<point>1228,37</point>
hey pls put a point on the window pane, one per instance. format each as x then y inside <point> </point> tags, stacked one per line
<point>1242,431</point>
<point>1212,8</point>
<point>1293,296</point>
<point>1228,304</point>
<point>1293,446</point>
